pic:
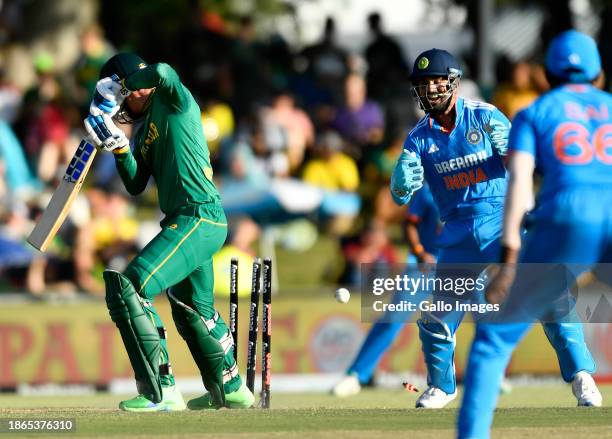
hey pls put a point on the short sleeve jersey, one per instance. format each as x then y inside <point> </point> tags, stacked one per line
<point>461,166</point>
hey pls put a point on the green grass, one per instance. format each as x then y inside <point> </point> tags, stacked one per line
<point>527,411</point>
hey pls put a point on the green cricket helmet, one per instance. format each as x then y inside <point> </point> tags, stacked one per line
<point>122,65</point>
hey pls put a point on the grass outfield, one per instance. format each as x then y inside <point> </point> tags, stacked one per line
<point>544,410</point>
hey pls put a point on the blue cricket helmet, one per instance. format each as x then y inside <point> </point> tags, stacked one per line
<point>435,62</point>
<point>573,57</point>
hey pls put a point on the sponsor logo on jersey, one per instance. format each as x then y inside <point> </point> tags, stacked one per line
<point>462,162</point>
<point>433,148</point>
<point>462,180</point>
<point>152,135</point>
<point>474,136</point>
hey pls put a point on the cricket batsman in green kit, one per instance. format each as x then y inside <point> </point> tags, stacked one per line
<point>169,145</point>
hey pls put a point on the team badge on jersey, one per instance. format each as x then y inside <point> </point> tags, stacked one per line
<point>474,137</point>
<point>433,148</point>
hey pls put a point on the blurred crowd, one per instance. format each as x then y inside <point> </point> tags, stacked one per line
<point>301,137</point>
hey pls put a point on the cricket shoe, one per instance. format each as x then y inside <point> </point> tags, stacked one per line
<point>242,398</point>
<point>585,390</point>
<point>347,386</point>
<point>172,402</point>
<point>434,398</point>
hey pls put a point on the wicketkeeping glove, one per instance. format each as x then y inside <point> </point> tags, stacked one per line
<point>105,135</point>
<point>407,177</point>
<point>108,97</point>
<point>498,133</point>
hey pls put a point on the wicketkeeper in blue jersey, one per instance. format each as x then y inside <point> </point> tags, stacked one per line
<point>566,136</point>
<point>459,147</point>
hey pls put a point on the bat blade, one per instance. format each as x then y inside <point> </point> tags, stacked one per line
<point>63,197</point>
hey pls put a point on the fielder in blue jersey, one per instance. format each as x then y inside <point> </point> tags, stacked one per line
<point>566,137</point>
<point>423,226</point>
<point>459,148</point>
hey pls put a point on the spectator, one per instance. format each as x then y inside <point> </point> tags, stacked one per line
<point>10,99</point>
<point>243,233</point>
<point>113,229</point>
<point>330,168</point>
<point>218,124</point>
<point>43,123</point>
<point>68,264</point>
<point>336,173</point>
<point>327,62</point>
<point>387,66</point>
<point>359,120</point>
<point>95,50</point>
<point>250,86</point>
<point>517,93</point>
<point>296,124</point>
<point>18,179</point>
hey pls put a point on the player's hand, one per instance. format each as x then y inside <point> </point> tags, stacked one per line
<point>108,97</point>
<point>498,134</point>
<point>105,135</point>
<point>407,177</point>
<point>502,279</point>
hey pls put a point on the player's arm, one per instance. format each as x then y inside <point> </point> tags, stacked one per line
<point>165,80</point>
<point>521,166</point>
<point>408,174</point>
<point>132,169</point>
<point>519,196</point>
<point>518,200</point>
<point>414,241</point>
<point>110,138</point>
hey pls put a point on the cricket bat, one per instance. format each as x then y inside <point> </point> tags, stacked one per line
<point>63,197</point>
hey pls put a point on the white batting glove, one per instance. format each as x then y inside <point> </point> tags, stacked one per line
<point>108,97</point>
<point>105,135</point>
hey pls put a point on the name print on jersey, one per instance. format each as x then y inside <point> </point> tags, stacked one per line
<point>464,179</point>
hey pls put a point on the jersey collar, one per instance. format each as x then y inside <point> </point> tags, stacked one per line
<point>458,117</point>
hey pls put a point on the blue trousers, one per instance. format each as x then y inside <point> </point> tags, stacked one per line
<point>479,246</point>
<point>578,230</point>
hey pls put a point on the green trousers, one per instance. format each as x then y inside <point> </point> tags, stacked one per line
<point>180,258</point>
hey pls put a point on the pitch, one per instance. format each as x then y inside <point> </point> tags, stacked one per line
<point>545,410</point>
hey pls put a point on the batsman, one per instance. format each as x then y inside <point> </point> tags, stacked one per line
<point>169,145</point>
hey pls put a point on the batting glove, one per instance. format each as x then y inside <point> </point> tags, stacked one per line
<point>498,134</point>
<point>105,135</point>
<point>407,177</point>
<point>108,97</point>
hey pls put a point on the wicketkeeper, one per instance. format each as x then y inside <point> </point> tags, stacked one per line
<point>169,145</point>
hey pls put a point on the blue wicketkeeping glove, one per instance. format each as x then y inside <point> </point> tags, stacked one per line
<point>498,133</point>
<point>407,177</point>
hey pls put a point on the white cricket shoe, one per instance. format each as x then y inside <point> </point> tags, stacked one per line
<point>347,386</point>
<point>585,390</point>
<point>434,398</point>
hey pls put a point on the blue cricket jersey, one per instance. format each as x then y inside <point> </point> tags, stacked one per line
<point>569,132</point>
<point>461,167</point>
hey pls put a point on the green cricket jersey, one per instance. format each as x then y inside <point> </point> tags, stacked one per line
<point>170,146</point>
